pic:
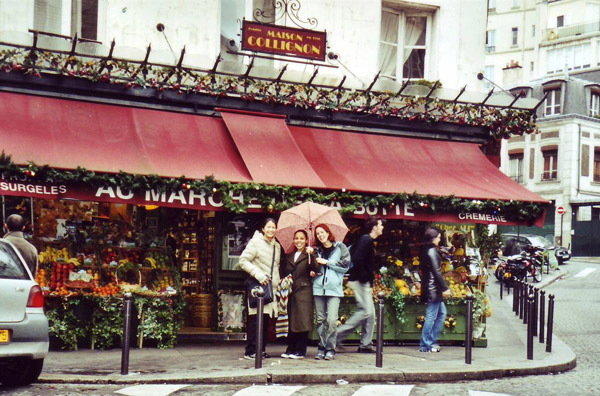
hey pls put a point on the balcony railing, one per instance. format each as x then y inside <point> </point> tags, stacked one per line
<point>549,175</point>
<point>571,30</point>
<point>518,179</point>
<point>490,48</point>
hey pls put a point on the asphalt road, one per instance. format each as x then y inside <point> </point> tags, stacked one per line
<point>577,323</point>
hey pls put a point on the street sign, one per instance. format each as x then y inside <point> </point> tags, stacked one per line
<point>560,210</point>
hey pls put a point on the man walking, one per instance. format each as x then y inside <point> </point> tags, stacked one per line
<point>360,280</point>
<point>15,225</point>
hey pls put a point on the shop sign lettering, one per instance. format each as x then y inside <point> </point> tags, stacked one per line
<point>281,40</point>
<point>482,217</point>
<point>7,188</point>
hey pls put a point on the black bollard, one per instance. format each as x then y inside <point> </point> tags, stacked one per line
<point>530,326</point>
<point>501,289</point>
<point>469,332</point>
<point>522,293</point>
<point>536,298</point>
<point>516,298</point>
<point>542,314</point>
<point>379,348</point>
<point>126,340</point>
<point>550,322</point>
<point>528,292</point>
<point>259,292</point>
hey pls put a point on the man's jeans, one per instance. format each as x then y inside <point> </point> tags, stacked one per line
<point>364,315</point>
<point>326,309</point>
<point>435,315</point>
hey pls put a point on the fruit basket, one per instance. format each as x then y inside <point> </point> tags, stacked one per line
<point>78,285</point>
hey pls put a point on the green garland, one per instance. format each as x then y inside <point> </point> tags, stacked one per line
<point>502,123</point>
<point>272,198</point>
<point>160,318</point>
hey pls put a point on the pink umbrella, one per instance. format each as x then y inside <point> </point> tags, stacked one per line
<point>307,217</point>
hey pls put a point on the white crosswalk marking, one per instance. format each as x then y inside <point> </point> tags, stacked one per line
<point>384,390</point>
<point>481,393</point>
<point>268,390</point>
<point>585,272</point>
<point>154,390</point>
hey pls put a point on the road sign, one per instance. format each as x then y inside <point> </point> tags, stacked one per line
<point>560,210</point>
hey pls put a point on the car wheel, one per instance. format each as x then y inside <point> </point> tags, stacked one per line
<point>23,373</point>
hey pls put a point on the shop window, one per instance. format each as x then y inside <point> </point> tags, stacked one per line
<point>595,103</point>
<point>403,44</point>
<point>49,16</point>
<point>552,103</point>
<point>515,36</point>
<point>240,230</point>
<point>515,164</point>
<point>597,164</point>
<point>550,165</point>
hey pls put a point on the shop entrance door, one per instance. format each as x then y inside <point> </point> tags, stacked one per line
<point>586,227</point>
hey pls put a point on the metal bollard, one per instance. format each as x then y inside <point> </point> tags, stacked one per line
<point>469,332</point>
<point>259,293</point>
<point>126,333</point>
<point>515,298</point>
<point>379,348</point>
<point>522,293</point>
<point>542,314</point>
<point>536,298</point>
<point>530,326</point>
<point>501,289</point>
<point>528,293</point>
<point>550,322</point>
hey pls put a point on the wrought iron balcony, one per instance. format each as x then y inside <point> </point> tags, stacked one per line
<point>517,178</point>
<point>571,30</point>
<point>490,48</point>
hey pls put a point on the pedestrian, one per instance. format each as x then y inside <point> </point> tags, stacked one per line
<point>433,291</point>
<point>328,290</point>
<point>360,280</point>
<point>260,258</point>
<point>14,226</point>
<point>300,303</point>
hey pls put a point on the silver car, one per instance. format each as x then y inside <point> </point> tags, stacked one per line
<point>23,324</point>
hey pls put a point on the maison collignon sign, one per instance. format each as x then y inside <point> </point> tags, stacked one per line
<point>281,40</point>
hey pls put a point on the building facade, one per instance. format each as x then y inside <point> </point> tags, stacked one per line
<point>554,56</point>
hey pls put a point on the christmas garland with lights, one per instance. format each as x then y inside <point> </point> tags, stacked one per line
<point>501,122</point>
<point>272,198</point>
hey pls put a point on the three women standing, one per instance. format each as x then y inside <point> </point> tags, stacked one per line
<point>260,259</point>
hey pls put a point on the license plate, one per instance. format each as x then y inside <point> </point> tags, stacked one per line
<point>4,337</point>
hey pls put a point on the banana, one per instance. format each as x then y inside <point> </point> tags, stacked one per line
<point>152,262</point>
<point>74,261</point>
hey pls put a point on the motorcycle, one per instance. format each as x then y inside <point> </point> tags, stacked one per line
<point>521,266</point>
<point>562,254</point>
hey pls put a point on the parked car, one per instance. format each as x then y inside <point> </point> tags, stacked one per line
<point>524,240</point>
<point>23,324</point>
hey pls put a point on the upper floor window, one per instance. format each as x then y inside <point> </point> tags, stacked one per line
<point>515,4</point>
<point>515,164</point>
<point>560,21</point>
<point>489,72</point>
<point>597,164</point>
<point>515,35</point>
<point>550,164</point>
<point>595,103</point>
<point>67,17</point>
<point>569,58</point>
<point>403,44</point>
<point>552,102</point>
<point>490,41</point>
<point>492,5</point>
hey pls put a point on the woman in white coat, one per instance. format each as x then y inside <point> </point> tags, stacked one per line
<point>261,252</point>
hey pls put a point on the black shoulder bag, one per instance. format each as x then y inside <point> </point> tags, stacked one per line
<point>252,282</point>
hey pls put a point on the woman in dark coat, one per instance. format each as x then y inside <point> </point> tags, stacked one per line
<point>433,291</point>
<point>300,306</point>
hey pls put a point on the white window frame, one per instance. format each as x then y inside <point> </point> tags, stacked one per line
<point>515,165</point>
<point>594,104</point>
<point>490,39</point>
<point>552,104</point>
<point>400,47</point>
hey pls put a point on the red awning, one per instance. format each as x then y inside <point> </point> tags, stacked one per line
<point>387,164</point>
<point>104,138</point>
<point>269,150</point>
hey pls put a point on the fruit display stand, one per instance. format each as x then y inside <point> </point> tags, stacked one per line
<point>84,296</point>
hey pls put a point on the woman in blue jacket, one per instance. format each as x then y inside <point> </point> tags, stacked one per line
<point>327,290</point>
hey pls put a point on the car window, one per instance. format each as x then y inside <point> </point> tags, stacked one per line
<point>10,264</point>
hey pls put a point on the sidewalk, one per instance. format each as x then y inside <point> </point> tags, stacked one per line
<point>505,355</point>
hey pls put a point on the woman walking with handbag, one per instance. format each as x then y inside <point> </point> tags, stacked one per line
<point>261,259</point>
<point>300,306</point>
<point>327,290</point>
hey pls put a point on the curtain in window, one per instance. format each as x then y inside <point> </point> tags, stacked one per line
<point>414,58</point>
<point>47,15</point>
<point>388,49</point>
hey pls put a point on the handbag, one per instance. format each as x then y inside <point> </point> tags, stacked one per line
<point>252,282</point>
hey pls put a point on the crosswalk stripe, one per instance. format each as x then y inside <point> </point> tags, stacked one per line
<point>154,390</point>
<point>268,390</point>
<point>585,272</point>
<point>481,393</point>
<point>384,390</point>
